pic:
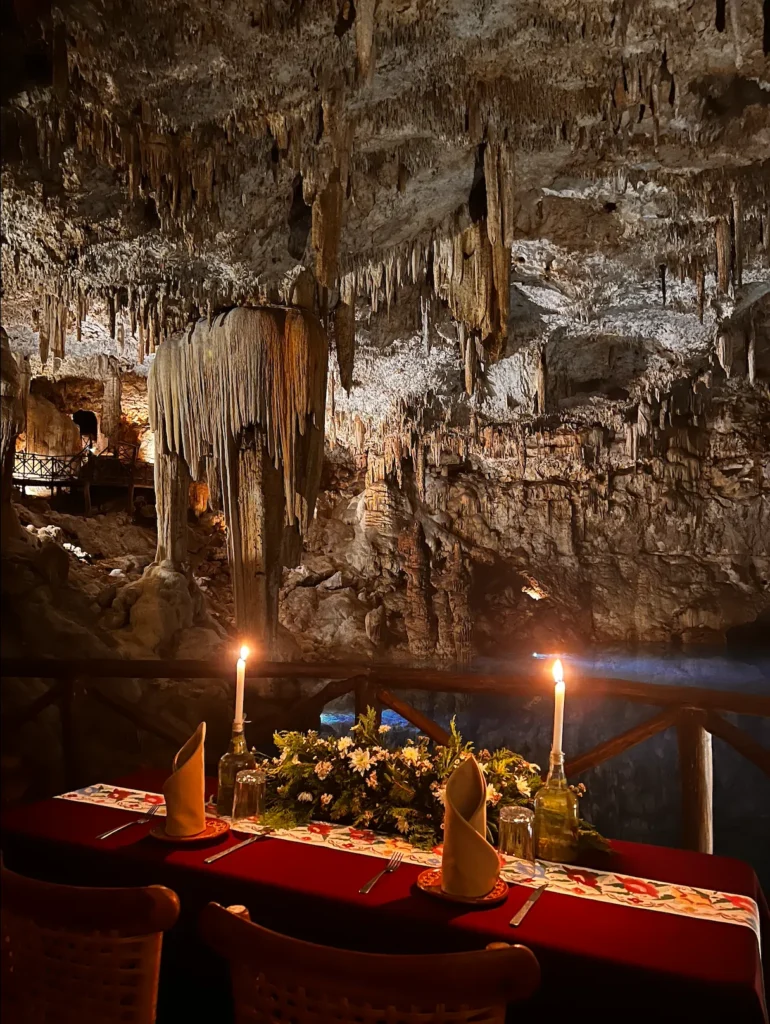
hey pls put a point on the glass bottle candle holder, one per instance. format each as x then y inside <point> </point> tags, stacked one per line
<point>556,816</point>
<point>237,758</point>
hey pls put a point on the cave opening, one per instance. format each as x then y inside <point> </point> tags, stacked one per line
<point>87,424</point>
<point>720,17</point>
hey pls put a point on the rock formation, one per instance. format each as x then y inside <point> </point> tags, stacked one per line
<point>538,240</point>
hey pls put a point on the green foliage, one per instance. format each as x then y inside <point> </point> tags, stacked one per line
<point>359,781</point>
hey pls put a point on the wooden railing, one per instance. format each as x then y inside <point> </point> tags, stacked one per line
<point>33,468</point>
<point>115,465</point>
<point>696,712</point>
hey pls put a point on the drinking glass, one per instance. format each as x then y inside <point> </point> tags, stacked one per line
<point>248,797</point>
<point>516,838</point>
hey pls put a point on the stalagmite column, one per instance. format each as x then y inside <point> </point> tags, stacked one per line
<point>245,398</point>
<point>172,488</point>
<point>458,588</point>
<point>111,412</point>
<point>417,617</point>
<point>255,532</point>
<point>11,424</point>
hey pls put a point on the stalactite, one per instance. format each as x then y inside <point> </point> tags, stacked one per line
<point>364,25</point>
<point>254,367</point>
<point>725,351</point>
<point>751,352</point>
<point>738,242</point>
<point>723,254</point>
<point>468,347</point>
<point>345,332</point>
<point>326,226</point>
<point>492,181</point>
<point>507,194</point>
<point>700,284</point>
<point>542,383</point>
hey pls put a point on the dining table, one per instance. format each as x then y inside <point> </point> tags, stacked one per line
<point>597,959</point>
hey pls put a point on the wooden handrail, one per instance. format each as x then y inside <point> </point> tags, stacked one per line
<point>739,740</point>
<point>391,676</point>
<point>626,740</point>
<point>694,711</point>
<point>426,725</point>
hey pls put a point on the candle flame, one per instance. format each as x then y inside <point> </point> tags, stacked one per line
<point>244,652</point>
<point>558,672</point>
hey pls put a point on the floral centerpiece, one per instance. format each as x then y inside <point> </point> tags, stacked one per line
<point>359,780</point>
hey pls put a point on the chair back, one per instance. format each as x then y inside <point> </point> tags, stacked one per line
<point>278,978</point>
<point>84,955</point>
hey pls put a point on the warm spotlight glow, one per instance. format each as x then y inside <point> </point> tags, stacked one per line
<point>558,672</point>
<point>244,652</point>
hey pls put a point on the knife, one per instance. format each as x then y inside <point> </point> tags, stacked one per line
<point>533,897</point>
<point>238,846</point>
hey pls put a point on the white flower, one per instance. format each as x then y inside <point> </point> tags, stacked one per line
<point>410,754</point>
<point>523,787</point>
<point>326,799</point>
<point>371,780</point>
<point>402,825</point>
<point>284,755</point>
<point>305,798</point>
<point>344,743</point>
<point>384,728</point>
<point>492,795</point>
<point>296,760</point>
<point>322,769</point>
<point>360,760</point>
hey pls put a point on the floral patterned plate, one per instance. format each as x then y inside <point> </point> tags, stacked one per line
<point>429,882</point>
<point>215,827</point>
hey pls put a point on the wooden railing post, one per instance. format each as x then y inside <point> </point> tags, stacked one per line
<point>696,772</point>
<point>366,697</point>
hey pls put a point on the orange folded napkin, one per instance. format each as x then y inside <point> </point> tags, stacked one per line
<point>185,789</point>
<point>469,864</point>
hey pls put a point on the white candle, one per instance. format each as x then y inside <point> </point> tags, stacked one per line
<point>240,682</point>
<point>558,707</point>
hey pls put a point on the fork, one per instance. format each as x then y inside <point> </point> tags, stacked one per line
<point>136,821</point>
<point>393,864</point>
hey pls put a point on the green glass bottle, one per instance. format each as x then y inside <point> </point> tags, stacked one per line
<point>556,816</point>
<point>237,759</point>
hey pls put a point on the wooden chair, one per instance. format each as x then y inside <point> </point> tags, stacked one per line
<point>279,979</point>
<point>74,955</point>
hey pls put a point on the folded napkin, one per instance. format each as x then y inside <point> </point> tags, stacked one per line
<point>185,789</point>
<point>469,865</point>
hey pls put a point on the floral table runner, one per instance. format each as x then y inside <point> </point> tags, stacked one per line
<point>584,883</point>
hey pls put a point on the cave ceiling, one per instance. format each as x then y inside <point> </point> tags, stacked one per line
<point>474,194</point>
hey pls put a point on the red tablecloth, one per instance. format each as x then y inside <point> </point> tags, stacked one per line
<point>596,958</point>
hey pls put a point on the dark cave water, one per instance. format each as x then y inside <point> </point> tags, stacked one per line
<point>636,795</point>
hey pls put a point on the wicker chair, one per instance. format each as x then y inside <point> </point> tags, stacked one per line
<point>282,980</point>
<point>75,955</point>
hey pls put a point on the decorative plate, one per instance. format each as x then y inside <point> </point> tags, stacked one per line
<point>215,827</point>
<point>429,882</point>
